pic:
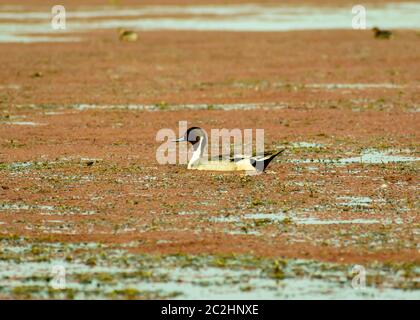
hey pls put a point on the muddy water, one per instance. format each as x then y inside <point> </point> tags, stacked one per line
<point>16,22</point>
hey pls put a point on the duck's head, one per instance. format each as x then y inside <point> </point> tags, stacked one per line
<point>375,29</point>
<point>194,135</point>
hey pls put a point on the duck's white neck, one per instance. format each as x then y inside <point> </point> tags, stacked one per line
<point>197,153</point>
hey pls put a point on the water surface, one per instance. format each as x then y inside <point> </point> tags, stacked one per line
<point>16,23</point>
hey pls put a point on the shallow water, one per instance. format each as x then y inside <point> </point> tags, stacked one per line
<point>280,217</point>
<point>355,201</point>
<point>377,157</point>
<point>305,144</point>
<point>368,156</point>
<point>262,288</point>
<point>360,86</point>
<point>250,17</point>
<point>23,123</point>
<point>183,277</point>
<point>46,210</point>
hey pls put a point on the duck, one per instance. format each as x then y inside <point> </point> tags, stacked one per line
<point>382,34</point>
<point>127,35</point>
<point>198,139</point>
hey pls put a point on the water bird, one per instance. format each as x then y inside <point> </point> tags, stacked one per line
<point>382,34</point>
<point>198,139</point>
<point>127,35</point>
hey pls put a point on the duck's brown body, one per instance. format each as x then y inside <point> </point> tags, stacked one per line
<point>127,35</point>
<point>382,34</point>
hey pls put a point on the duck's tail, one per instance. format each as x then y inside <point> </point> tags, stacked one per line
<point>262,163</point>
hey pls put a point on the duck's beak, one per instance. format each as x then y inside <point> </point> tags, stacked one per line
<point>179,140</point>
